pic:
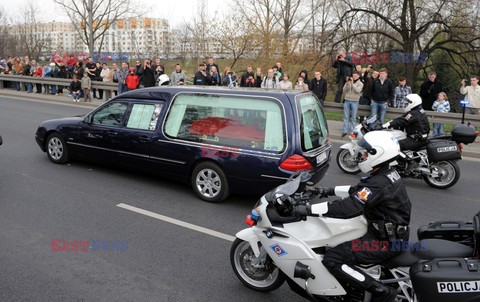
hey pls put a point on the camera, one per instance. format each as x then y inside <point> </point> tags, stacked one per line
<point>338,57</point>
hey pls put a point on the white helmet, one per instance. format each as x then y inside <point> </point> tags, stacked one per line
<point>380,147</point>
<point>413,100</point>
<point>163,80</point>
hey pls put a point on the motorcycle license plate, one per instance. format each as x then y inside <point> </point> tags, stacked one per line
<point>321,157</point>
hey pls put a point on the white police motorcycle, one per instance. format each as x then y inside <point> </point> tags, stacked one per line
<point>436,161</point>
<point>281,247</point>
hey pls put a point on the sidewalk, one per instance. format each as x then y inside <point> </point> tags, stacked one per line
<point>62,99</point>
<point>335,127</point>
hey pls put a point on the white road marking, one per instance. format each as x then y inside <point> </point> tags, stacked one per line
<point>177,222</point>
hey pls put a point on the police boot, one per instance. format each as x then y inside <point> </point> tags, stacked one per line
<point>382,293</point>
<point>410,165</point>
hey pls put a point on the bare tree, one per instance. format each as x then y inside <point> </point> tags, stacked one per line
<point>30,37</point>
<point>324,16</point>
<point>184,37</point>
<point>237,40</point>
<point>418,27</point>
<point>5,36</point>
<point>199,29</point>
<point>259,17</point>
<point>293,17</point>
<point>92,18</point>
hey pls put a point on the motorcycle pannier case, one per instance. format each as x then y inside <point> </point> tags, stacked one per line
<point>458,231</point>
<point>446,280</point>
<point>439,150</point>
<point>464,134</point>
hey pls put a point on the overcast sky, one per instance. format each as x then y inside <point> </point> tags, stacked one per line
<point>175,11</point>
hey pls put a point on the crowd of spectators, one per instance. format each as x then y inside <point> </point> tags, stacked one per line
<point>82,76</point>
<point>368,86</point>
<point>356,84</point>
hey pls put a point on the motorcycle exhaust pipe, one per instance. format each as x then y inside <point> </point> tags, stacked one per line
<point>423,170</point>
<point>302,271</point>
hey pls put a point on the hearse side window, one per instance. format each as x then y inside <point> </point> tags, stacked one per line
<point>110,115</point>
<point>313,125</point>
<point>243,122</point>
<point>144,116</point>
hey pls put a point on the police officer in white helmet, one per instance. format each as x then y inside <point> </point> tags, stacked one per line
<point>382,198</point>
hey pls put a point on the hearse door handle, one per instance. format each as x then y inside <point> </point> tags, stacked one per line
<point>145,139</point>
<point>112,133</point>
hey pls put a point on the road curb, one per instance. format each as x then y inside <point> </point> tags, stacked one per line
<point>65,99</point>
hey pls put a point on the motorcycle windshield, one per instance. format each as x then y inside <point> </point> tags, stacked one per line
<point>372,119</point>
<point>289,187</point>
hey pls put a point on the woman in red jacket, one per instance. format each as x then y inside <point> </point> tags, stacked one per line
<point>132,80</point>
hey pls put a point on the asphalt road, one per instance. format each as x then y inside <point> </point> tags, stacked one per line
<point>41,201</point>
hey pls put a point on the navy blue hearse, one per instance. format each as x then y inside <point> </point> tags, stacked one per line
<point>219,140</point>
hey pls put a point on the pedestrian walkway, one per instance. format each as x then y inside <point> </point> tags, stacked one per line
<point>49,98</point>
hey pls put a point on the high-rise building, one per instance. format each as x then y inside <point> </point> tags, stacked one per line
<point>142,36</point>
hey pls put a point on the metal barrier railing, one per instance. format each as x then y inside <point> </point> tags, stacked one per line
<point>363,110</point>
<point>434,117</point>
<point>53,81</point>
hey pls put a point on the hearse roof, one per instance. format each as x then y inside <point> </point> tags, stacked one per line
<point>161,92</point>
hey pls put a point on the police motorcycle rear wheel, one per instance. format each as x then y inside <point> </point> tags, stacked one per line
<point>446,174</point>
<point>264,276</point>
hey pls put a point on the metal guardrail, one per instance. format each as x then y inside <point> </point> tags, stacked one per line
<point>433,117</point>
<point>53,81</point>
<point>363,110</point>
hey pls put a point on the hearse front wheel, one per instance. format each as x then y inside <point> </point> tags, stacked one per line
<point>57,149</point>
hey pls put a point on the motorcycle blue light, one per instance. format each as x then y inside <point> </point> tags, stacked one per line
<point>254,215</point>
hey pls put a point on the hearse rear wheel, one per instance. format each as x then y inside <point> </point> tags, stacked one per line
<point>209,182</point>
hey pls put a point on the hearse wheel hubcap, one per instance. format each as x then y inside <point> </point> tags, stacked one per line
<point>55,148</point>
<point>208,183</point>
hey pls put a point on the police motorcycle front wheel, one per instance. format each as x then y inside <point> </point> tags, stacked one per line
<point>346,162</point>
<point>444,174</point>
<point>260,274</point>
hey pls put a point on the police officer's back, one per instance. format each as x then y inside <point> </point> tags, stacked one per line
<point>414,122</point>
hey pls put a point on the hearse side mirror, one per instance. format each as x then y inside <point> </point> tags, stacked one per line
<point>1,141</point>
<point>87,120</point>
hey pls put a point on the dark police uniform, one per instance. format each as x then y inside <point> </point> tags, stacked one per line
<point>415,123</point>
<point>383,200</point>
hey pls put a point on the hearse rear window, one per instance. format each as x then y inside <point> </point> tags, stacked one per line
<point>243,122</point>
<point>313,125</point>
